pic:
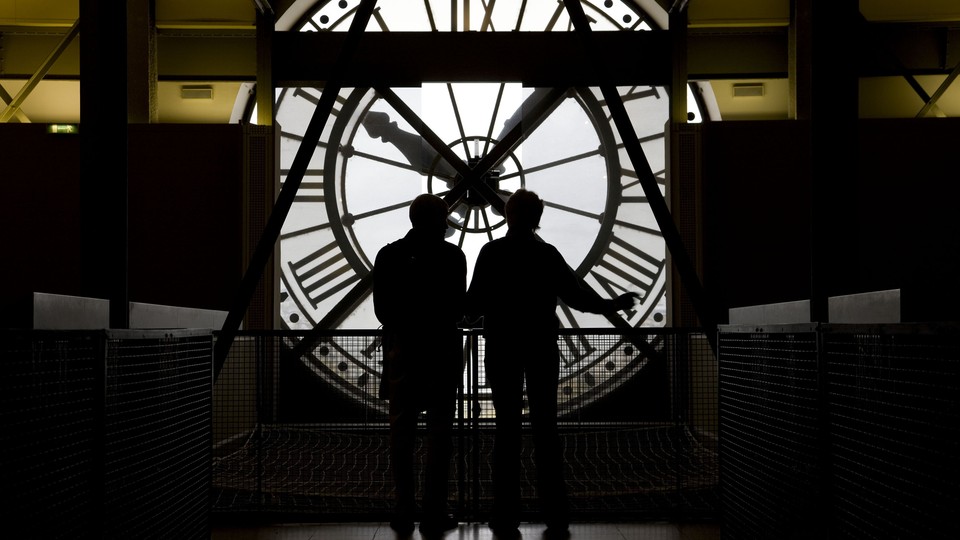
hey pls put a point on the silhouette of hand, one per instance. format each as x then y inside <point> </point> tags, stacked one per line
<point>626,301</point>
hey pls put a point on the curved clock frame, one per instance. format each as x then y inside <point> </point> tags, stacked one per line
<point>625,259</point>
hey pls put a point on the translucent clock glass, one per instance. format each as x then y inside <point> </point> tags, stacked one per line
<point>375,155</point>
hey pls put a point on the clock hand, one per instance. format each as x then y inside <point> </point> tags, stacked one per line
<point>414,148</point>
<point>531,114</point>
<point>470,178</point>
<point>417,151</point>
<point>538,94</point>
<point>537,106</point>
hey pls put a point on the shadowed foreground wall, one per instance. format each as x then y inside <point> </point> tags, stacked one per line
<point>186,216</point>
<point>757,213</point>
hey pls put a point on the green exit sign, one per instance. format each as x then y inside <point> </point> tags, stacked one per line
<point>71,129</point>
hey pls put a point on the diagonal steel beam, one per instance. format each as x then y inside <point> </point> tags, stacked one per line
<point>915,84</point>
<point>32,83</point>
<point>681,259</point>
<point>7,98</point>
<point>932,102</point>
<point>903,71</point>
<point>264,250</point>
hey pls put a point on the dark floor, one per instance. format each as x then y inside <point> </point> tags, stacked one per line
<point>469,531</point>
<point>642,473</point>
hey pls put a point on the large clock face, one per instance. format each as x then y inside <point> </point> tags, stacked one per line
<point>374,157</point>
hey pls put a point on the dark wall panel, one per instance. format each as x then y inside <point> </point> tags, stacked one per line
<point>186,218</point>
<point>909,231</point>
<point>39,217</point>
<point>756,212</point>
<point>184,214</point>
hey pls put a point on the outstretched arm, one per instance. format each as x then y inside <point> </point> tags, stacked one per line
<point>577,294</point>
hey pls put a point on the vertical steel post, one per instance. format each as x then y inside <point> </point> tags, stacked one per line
<point>681,259</point>
<point>288,192</point>
<point>104,156</point>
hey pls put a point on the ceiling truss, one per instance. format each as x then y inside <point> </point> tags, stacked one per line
<point>713,53</point>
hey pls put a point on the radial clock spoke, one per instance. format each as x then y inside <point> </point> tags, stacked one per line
<point>522,12</point>
<point>648,230</point>
<point>493,118</point>
<point>302,92</point>
<point>306,230</point>
<point>556,16</point>
<point>557,163</point>
<point>463,229</point>
<point>403,205</point>
<point>486,223</point>
<point>432,23</point>
<point>390,162</point>
<point>305,197</point>
<point>659,176</point>
<point>572,210</point>
<point>381,22</point>
<point>456,114</point>
<point>299,138</point>
<point>641,140</point>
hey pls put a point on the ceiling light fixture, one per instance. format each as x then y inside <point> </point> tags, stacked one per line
<point>748,90</point>
<point>196,91</point>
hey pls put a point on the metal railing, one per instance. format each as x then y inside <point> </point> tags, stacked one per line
<point>307,435</point>
<point>107,433</point>
<point>840,430</point>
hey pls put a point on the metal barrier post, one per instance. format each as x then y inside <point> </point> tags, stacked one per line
<point>461,435</point>
<point>475,420</point>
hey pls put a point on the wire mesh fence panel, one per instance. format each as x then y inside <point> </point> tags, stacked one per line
<point>106,433</point>
<point>839,430</point>
<point>308,434</point>
<point>769,432</point>
<point>894,430</point>
<point>50,410</point>
<point>157,434</point>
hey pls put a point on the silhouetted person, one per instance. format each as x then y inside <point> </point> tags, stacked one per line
<point>418,294</point>
<point>516,283</point>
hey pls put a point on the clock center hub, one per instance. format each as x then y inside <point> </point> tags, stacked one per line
<point>491,179</point>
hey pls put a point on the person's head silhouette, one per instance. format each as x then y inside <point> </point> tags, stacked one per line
<point>523,210</point>
<point>429,212</point>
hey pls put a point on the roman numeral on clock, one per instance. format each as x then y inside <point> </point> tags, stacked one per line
<point>578,345</point>
<point>626,267</point>
<point>323,273</point>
